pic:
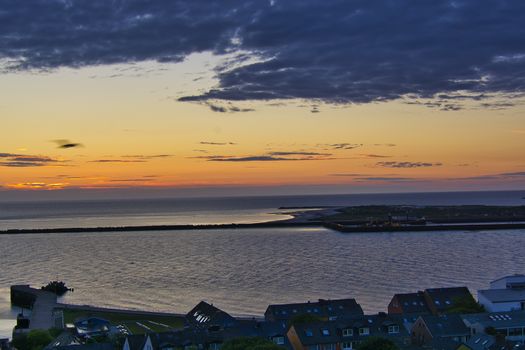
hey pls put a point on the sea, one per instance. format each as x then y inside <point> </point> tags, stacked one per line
<point>242,271</point>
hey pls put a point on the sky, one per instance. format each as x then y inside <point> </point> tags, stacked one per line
<point>194,97</point>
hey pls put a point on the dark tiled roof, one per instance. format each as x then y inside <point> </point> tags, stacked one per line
<point>93,346</point>
<point>511,319</point>
<point>376,325</point>
<point>412,303</point>
<point>450,325</point>
<point>318,333</point>
<point>136,341</point>
<point>443,298</point>
<point>342,308</point>
<point>480,342</point>
<point>205,315</point>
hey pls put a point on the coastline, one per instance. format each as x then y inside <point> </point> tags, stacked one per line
<point>313,216</point>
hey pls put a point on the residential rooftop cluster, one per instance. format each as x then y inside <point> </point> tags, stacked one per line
<point>438,318</point>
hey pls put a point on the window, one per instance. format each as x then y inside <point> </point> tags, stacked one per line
<point>309,333</point>
<point>325,332</point>
<point>515,332</point>
<point>278,340</point>
<point>364,331</point>
<point>347,345</point>
<point>348,332</point>
<point>393,329</point>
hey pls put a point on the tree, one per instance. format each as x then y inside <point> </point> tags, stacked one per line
<point>377,343</point>
<point>465,305</point>
<point>36,339</point>
<point>252,343</point>
<point>303,318</point>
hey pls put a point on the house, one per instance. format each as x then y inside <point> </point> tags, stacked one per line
<point>325,309</point>
<point>92,326</point>
<point>211,338</point>
<point>505,294</point>
<point>205,315</point>
<point>4,344</point>
<point>409,303</point>
<point>431,328</point>
<point>91,346</point>
<point>439,300</point>
<point>323,335</point>
<point>434,301</point>
<point>347,334</point>
<point>511,325</point>
<point>501,300</point>
<point>489,342</point>
<point>509,282</point>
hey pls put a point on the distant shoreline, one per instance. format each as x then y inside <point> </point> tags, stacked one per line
<point>357,219</point>
<point>276,224</point>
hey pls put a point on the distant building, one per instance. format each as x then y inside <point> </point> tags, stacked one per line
<point>347,334</point>
<point>205,315</point>
<point>509,282</point>
<point>409,303</point>
<point>429,329</point>
<point>439,300</point>
<point>329,310</point>
<point>92,326</point>
<point>505,294</point>
<point>510,325</point>
<point>4,344</point>
<point>206,339</point>
<point>434,301</point>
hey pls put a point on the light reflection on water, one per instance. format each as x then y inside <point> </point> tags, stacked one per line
<point>244,270</point>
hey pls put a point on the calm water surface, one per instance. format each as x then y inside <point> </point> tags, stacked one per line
<point>242,271</point>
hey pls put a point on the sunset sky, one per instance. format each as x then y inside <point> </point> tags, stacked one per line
<point>266,97</point>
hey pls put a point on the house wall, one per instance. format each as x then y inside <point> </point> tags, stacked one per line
<point>498,307</point>
<point>502,283</point>
<point>419,333</point>
<point>394,307</point>
<point>293,338</point>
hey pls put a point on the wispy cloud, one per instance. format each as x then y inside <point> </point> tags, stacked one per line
<point>265,158</point>
<point>375,156</point>
<point>147,157</point>
<point>65,144</point>
<point>36,186</point>
<point>118,161</point>
<point>228,108</point>
<point>212,143</point>
<point>349,174</point>
<point>299,153</point>
<point>386,179</point>
<point>408,164</point>
<point>25,161</point>
<point>342,146</point>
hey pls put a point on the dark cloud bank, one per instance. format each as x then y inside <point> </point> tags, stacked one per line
<point>336,51</point>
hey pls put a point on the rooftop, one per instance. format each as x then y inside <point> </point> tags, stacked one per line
<point>503,295</point>
<point>497,319</point>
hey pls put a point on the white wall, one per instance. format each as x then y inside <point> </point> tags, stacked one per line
<point>498,307</point>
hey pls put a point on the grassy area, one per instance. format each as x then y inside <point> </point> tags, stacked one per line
<point>136,323</point>
<point>431,213</point>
